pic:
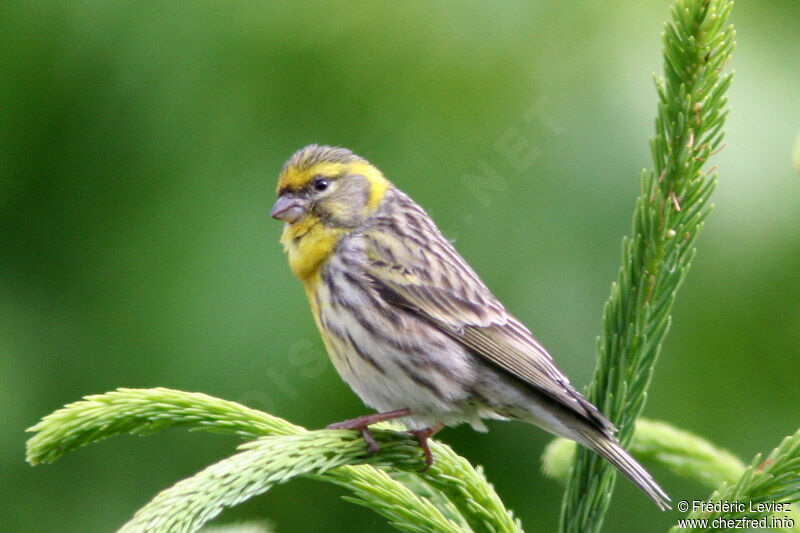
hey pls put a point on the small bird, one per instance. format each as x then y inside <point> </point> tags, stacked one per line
<point>409,325</point>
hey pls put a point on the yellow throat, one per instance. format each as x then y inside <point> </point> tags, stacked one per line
<point>309,242</point>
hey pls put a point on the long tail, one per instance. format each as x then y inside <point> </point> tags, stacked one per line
<point>608,448</point>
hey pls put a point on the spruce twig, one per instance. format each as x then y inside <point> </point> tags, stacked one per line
<point>268,461</point>
<point>765,483</point>
<point>667,219</point>
<point>451,496</point>
<point>454,496</point>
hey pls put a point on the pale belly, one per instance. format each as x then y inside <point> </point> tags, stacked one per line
<point>436,387</point>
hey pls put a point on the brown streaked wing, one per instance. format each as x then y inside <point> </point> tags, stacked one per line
<point>470,314</point>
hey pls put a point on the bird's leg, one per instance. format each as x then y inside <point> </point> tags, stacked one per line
<point>362,424</point>
<point>422,436</point>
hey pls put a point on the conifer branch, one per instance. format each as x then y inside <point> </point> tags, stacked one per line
<point>265,462</point>
<point>453,495</point>
<point>450,496</point>
<point>667,219</point>
<point>763,486</point>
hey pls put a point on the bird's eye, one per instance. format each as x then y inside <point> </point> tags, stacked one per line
<point>320,184</point>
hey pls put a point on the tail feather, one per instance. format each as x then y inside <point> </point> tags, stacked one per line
<point>608,448</point>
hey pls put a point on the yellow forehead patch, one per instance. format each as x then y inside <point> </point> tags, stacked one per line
<point>311,161</point>
<point>295,178</point>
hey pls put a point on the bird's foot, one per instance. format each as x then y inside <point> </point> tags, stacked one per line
<point>362,424</point>
<point>422,436</point>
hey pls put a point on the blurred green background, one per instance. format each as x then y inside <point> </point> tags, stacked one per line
<point>140,144</point>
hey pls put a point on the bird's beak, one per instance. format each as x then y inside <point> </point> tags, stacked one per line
<point>288,209</point>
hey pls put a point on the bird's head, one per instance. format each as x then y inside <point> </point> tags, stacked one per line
<point>331,186</point>
<point>324,192</point>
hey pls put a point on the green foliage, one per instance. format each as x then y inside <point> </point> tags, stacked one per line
<point>667,219</point>
<point>141,412</point>
<point>453,495</point>
<point>450,496</point>
<point>265,462</point>
<point>766,481</point>
<point>777,479</point>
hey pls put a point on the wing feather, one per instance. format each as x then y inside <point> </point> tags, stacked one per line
<point>466,310</point>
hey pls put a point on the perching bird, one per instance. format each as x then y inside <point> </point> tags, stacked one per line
<point>409,325</point>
